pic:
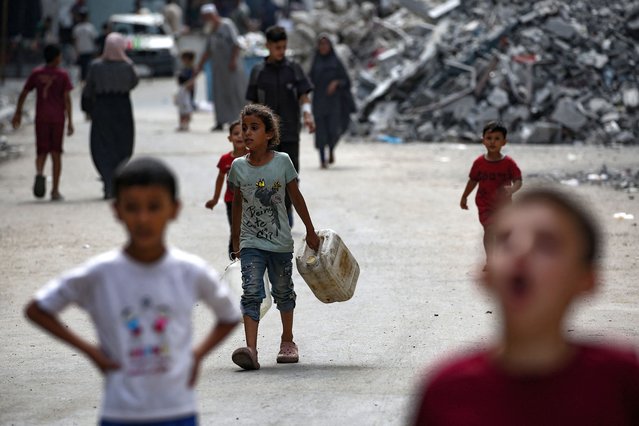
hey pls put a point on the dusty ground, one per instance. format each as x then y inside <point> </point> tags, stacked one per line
<point>396,207</point>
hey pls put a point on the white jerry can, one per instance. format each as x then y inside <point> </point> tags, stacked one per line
<point>332,271</point>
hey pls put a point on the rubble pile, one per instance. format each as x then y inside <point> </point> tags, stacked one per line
<point>626,180</point>
<point>552,71</point>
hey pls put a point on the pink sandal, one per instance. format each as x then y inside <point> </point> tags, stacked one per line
<point>288,353</point>
<point>246,358</point>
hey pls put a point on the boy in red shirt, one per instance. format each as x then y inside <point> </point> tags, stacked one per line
<point>497,175</point>
<point>224,165</point>
<point>52,86</point>
<point>543,255</point>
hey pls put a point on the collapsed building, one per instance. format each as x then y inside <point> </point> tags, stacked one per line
<point>552,71</point>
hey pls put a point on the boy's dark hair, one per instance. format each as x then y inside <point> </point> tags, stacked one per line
<point>51,51</point>
<point>584,221</point>
<point>494,126</point>
<point>275,34</point>
<point>269,118</point>
<point>187,55</point>
<point>232,126</point>
<point>145,171</point>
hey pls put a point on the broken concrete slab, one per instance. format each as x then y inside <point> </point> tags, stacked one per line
<point>568,115</point>
<point>561,28</point>
<point>498,98</point>
<point>541,132</point>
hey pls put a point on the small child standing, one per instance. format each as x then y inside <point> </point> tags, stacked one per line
<point>497,175</point>
<point>224,165</point>
<point>140,299</point>
<point>184,104</point>
<point>187,71</point>
<point>53,101</point>
<point>543,256</point>
<point>260,230</point>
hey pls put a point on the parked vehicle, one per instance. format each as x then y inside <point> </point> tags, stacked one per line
<point>149,41</point>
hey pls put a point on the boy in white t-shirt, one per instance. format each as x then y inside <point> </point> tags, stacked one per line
<point>140,300</point>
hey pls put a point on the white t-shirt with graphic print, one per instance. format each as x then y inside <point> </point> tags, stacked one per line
<point>142,315</point>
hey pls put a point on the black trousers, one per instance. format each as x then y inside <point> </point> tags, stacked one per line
<point>291,148</point>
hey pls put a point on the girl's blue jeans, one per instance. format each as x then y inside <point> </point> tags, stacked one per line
<point>255,263</point>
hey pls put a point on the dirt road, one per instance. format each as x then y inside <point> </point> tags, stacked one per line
<point>396,207</point>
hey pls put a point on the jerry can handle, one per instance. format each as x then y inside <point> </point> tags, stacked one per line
<point>313,259</point>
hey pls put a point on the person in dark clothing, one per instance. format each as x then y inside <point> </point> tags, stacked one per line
<point>281,84</point>
<point>332,99</point>
<point>105,98</point>
<point>99,41</point>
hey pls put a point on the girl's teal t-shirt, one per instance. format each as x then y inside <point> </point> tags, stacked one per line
<point>264,219</point>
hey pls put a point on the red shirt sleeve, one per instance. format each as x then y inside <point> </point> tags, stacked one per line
<point>67,83</point>
<point>514,170</point>
<point>475,169</point>
<point>30,84</point>
<point>225,162</point>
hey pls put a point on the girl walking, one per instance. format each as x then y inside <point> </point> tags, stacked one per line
<point>260,230</point>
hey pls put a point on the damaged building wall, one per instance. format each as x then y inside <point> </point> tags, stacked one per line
<point>438,70</point>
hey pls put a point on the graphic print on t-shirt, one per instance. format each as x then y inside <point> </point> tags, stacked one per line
<point>147,347</point>
<point>263,218</point>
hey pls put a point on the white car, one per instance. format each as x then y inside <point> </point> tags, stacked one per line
<point>149,43</point>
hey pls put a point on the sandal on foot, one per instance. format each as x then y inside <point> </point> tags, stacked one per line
<point>288,353</point>
<point>39,186</point>
<point>246,358</point>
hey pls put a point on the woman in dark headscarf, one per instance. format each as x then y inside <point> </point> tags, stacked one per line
<point>105,98</point>
<point>332,99</point>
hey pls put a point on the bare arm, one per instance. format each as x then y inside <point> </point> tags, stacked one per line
<point>68,108</point>
<point>236,221</point>
<point>217,334</point>
<point>469,188</point>
<point>200,64</point>
<point>52,325</point>
<point>17,116</point>
<point>219,182</point>
<point>308,117</point>
<point>300,206</point>
<point>198,69</point>
<point>516,186</point>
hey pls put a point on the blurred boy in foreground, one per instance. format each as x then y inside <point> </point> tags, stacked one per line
<point>543,256</point>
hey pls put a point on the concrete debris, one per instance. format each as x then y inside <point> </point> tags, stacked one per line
<point>567,114</point>
<point>626,180</point>
<point>553,71</point>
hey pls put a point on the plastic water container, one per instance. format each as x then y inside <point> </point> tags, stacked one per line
<point>233,277</point>
<point>332,271</point>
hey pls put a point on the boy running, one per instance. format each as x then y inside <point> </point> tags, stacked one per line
<point>140,299</point>
<point>542,257</point>
<point>53,101</point>
<point>224,165</point>
<point>497,175</point>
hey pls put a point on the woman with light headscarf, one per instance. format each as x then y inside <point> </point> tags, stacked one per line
<point>106,99</point>
<point>332,99</point>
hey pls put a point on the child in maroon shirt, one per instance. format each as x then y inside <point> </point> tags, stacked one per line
<point>224,165</point>
<point>542,257</point>
<point>52,86</point>
<point>497,175</point>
